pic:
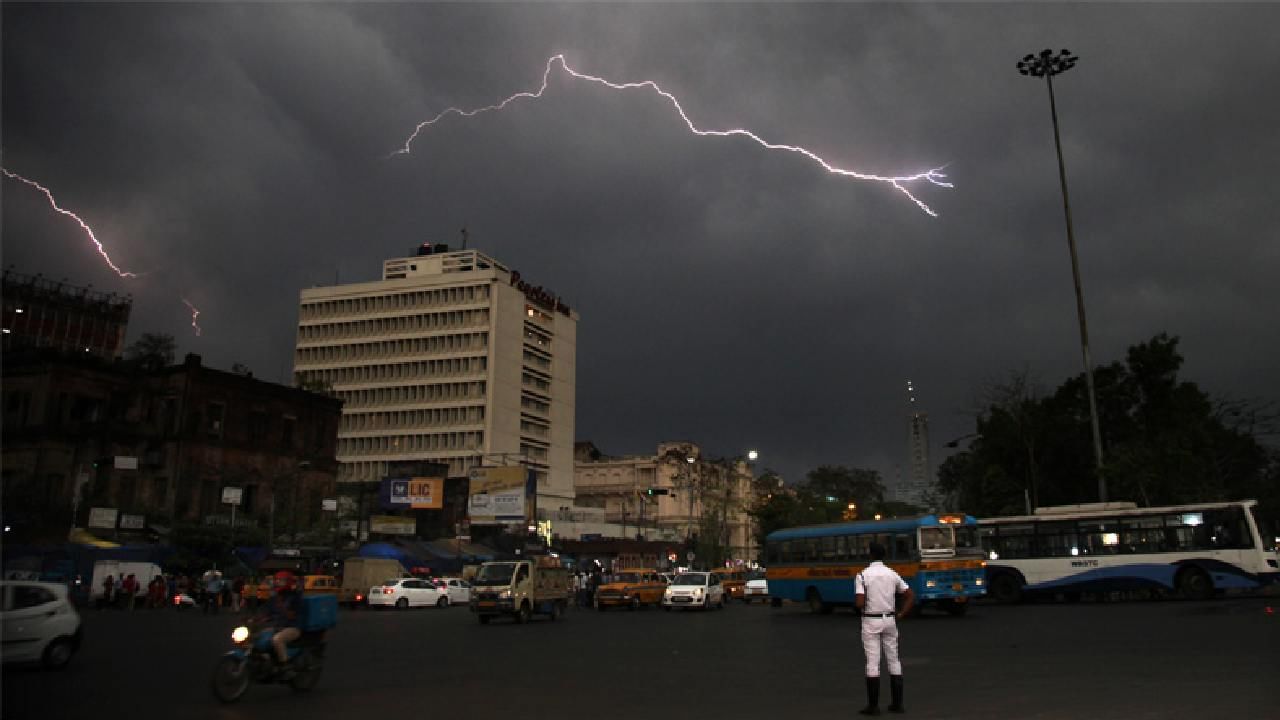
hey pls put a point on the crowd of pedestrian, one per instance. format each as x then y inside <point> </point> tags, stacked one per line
<point>211,591</point>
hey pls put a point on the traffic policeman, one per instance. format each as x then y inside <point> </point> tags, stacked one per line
<point>876,589</point>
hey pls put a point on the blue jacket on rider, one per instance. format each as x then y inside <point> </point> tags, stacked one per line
<point>285,609</point>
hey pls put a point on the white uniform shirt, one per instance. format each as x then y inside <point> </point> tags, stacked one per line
<point>879,583</point>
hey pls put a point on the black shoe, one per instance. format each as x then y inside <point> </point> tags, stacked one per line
<point>895,689</point>
<point>873,697</point>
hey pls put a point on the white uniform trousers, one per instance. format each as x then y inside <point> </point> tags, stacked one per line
<point>875,632</point>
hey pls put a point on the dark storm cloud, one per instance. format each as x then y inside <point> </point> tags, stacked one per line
<point>736,297</point>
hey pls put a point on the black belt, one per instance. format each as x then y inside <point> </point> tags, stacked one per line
<point>878,615</point>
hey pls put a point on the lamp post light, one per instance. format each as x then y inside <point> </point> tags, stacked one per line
<point>1046,65</point>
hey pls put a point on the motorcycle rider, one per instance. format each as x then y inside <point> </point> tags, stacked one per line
<point>282,613</point>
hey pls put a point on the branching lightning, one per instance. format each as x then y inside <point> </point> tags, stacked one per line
<point>195,313</point>
<point>85,226</point>
<point>936,176</point>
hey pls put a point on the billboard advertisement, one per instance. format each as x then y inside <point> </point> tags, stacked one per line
<point>498,495</point>
<point>416,493</point>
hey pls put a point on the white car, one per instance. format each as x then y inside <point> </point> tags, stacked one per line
<point>757,588</point>
<point>694,589</point>
<point>459,590</point>
<point>407,592</point>
<point>40,623</point>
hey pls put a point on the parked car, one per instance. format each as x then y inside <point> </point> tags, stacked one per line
<point>40,623</point>
<point>694,589</point>
<point>459,590</point>
<point>755,588</point>
<point>407,592</point>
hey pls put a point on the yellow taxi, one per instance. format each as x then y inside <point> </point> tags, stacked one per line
<point>734,582</point>
<point>631,588</point>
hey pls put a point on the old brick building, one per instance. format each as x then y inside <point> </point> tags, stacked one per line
<point>161,445</point>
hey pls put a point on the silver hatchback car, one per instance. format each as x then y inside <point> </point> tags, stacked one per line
<point>40,623</point>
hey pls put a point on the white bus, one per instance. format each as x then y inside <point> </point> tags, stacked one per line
<point>1194,550</point>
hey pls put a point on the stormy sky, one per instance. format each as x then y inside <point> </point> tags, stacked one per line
<point>737,297</point>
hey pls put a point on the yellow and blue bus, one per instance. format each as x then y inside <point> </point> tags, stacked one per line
<point>937,555</point>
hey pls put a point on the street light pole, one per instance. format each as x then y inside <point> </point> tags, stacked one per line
<point>1046,65</point>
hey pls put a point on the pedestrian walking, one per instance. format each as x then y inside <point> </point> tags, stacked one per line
<point>875,593</point>
<point>237,594</point>
<point>130,587</point>
<point>108,591</point>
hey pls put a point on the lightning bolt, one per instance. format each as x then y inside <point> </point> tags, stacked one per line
<point>89,231</point>
<point>195,313</point>
<point>935,176</point>
<point>85,226</point>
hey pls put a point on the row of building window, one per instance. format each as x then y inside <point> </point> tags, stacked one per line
<point>534,453</point>
<point>395,302</point>
<point>409,347</point>
<point>537,361</point>
<point>536,337</point>
<point>535,429</point>
<point>374,327</point>
<point>533,404</point>
<point>471,440</point>
<point>537,383</point>
<point>412,394</point>
<point>422,418</point>
<point>418,370</point>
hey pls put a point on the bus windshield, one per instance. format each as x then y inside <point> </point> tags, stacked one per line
<point>937,541</point>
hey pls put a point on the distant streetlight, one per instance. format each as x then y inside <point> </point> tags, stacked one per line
<point>1046,65</point>
<point>753,455</point>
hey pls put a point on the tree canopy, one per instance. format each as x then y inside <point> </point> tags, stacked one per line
<point>1165,441</point>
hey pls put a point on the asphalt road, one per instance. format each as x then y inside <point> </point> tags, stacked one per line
<point>1129,660</point>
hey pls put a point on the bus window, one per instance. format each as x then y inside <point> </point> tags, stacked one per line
<point>1057,539</point>
<point>844,548</point>
<point>772,554</point>
<point>828,549</point>
<point>966,539</point>
<point>903,547</point>
<point>811,550</point>
<point>1099,537</point>
<point>1142,534</point>
<point>1228,529</point>
<point>860,548</point>
<point>1184,532</point>
<point>1014,541</point>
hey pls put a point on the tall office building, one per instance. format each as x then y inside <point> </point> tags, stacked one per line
<point>451,358</point>
<point>918,479</point>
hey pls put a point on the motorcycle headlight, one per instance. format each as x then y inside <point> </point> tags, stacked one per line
<point>240,634</point>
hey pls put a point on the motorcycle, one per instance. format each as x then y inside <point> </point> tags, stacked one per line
<point>254,660</point>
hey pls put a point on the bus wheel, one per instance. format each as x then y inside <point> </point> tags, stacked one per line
<point>1005,588</point>
<point>1194,584</point>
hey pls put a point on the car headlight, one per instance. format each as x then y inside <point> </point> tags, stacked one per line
<point>240,634</point>
<point>504,595</point>
<point>931,583</point>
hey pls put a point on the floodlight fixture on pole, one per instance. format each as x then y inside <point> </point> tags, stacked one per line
<point>1046,65</point>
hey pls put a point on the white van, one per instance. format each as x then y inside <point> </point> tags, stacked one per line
<point>143,572</point>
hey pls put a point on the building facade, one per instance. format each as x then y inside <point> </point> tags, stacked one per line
<point>38,312</point>
<point>452,358</point>
<point>160,446</point>
<point>674,494</point>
